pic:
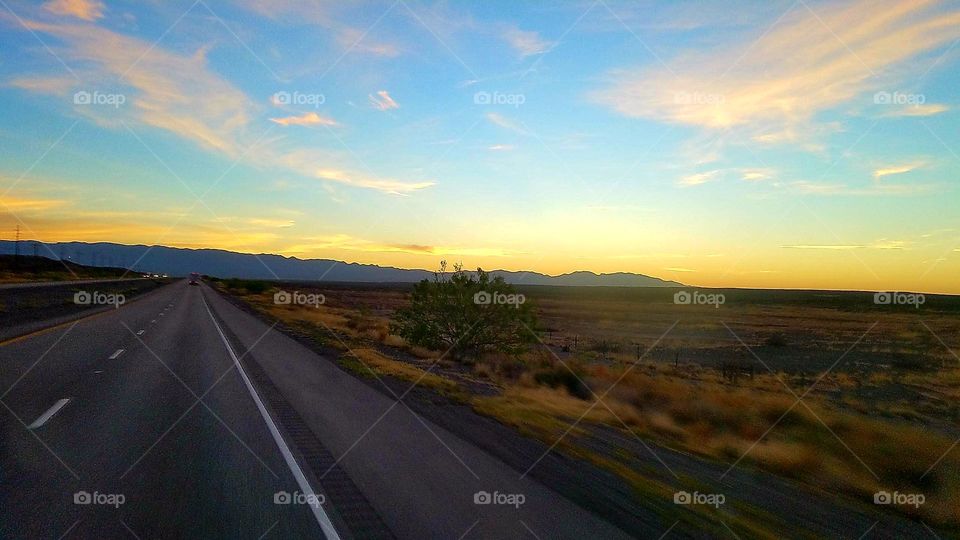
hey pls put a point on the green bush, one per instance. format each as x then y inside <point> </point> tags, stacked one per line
<point>466,314</point>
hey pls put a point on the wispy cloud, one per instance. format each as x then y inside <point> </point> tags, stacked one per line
<point>45,85</point>
<point>882,244</point>
<point>326,15</point>
<point>498,119</point>
<point>88,10</point>
<point>332,167</point>
<point>166,90</point>
<point>352,243</point>
<point>501,147</point>
<point>831,247</point>
<point>272,223</point>
<point>180,94</point>
<point>896,169</point>
<point>387,185</point>
<point>833,58</point>
<point>26,205</point>
<point>525,42</point>
<point>756,175</point>
<point>355,40</point>
<point>382,101</point>
<point>698,178</point>
<point>920,110</point>
<point>875,189</point>
<point>308,119</point>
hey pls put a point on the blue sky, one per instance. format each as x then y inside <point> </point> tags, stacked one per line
<point>752,146</point>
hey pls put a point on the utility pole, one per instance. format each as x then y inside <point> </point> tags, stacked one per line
<point>16,249</point>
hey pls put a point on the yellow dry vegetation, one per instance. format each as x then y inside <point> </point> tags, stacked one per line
<point>383,365</point>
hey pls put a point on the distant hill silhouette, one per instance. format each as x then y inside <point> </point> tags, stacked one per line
<point>229,264</point>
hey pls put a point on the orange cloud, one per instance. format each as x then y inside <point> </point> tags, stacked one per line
<point>382,101</point>
<point>88,10</point>
<point>308,119</point>
<point>351,243</point>
<point>17,205</point>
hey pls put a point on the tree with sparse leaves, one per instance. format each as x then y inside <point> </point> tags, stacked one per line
<point>467,314</point>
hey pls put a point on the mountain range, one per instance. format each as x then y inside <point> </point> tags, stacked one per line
<point>229,264</point>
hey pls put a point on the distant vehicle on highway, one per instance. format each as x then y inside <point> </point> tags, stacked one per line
<point>194,278</point>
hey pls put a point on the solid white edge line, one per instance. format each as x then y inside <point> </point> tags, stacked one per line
<point>116,354</point>
<point>322,519</point>
<point>39,422</point>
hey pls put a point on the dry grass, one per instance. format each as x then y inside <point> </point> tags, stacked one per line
<point>382,365</point>
<point>543,412</point>
<point>838,443</point>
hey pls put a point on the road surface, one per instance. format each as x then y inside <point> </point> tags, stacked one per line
<point>37,284</point>
<point>140,422</point>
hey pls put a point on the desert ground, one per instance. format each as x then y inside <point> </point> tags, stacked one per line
<point>828,390</point>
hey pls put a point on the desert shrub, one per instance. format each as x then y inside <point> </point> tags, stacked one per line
<point>392,340</point>
<point>908,362</point>
<point>467,314</point>
<point>252,286</point>
<point>483,370</point>
<point>776,340</point>
<point>561,377</point>
<point>512,368</point>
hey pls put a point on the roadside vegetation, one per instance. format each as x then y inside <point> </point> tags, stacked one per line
<point>725,384</point>
<point>26,268</point>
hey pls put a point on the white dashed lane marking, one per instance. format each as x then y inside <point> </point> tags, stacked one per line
<point>39,422</point>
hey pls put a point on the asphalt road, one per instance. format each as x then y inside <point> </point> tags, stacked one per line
<point>140,423</point>
<point>39,284</point>
<point>160,431</point>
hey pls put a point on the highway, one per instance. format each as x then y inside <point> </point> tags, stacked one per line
<point>181,416</point>
<point>40,284</point>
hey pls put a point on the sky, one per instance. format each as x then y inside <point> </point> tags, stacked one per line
<point>793,144</point>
